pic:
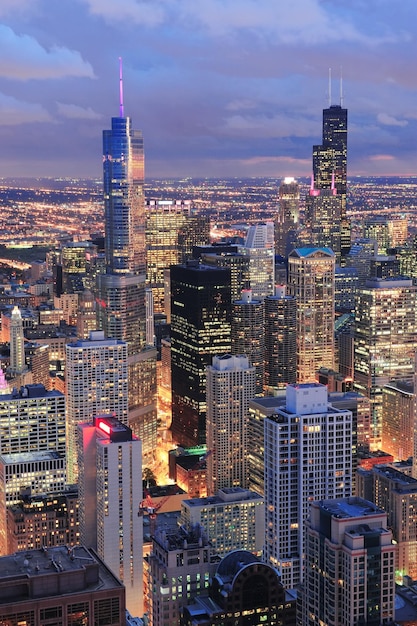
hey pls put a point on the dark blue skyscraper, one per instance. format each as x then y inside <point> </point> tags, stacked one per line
<point>121,290</point>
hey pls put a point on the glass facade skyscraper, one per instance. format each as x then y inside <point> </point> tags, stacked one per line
<point>121,290</point>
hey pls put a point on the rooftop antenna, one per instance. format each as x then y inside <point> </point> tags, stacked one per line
<point>341,87</point>
<point>121,107</point>
<point>330,87</point>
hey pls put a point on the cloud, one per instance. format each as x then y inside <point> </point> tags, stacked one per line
<point>382,157</point>
<point>388,120</point>
<point>15,112</point>
<point>23,58</point>
<point>149,13</point>
<point>297,22</point>
<point>73,111</point>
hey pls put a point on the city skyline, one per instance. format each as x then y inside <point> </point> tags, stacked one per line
<point>219,89</point>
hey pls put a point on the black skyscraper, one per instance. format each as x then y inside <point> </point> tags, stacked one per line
<point>330,164</point>
<point>200,329</point>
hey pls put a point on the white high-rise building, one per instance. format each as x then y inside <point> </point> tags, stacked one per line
<point>96,383</point>
<point>110,492</point>
<point>17,343</point>
<point>230,387</point>
<point>308,456</point>
<point>259,247</point>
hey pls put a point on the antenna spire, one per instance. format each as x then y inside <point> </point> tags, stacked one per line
<point>341,87</point>
<point>121,107</point>
<point>330,87</point>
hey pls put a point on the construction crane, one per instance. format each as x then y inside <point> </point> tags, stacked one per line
<point>149,507</point>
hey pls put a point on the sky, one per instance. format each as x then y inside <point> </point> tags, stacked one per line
<point>219,88</point>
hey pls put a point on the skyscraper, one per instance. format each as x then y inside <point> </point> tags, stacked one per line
<point>248,333</point>
<point>311,281</point>
<point>308,456</point>
<point>385,340</point>
<point>259,247</point>
<point>121,290</point>
<point>97,383</point>
<point>17,343</point>
<point>230,387</point>
<point>110,491</point>
<point>349,572</point>
<point>200,329</point>
<point>330,163</point>
<point>286,221</point>
<point>280,340</point>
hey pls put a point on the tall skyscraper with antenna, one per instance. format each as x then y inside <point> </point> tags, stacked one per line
<point>121,290</point>
<point>330,161</point>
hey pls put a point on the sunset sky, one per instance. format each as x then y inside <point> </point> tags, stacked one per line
<point>218,87</point>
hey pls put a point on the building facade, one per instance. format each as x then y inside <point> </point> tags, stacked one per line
<point>308,455</point>
<point>349,571</point>
<point>231,384</point>
<point>311,281</point>
<point>110,492</point>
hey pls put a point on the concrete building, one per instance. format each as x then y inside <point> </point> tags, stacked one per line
<point>233,519</point>
<point>59,586</point>
<point>110,492</point>
<point>308,455</point>
<point>17,343</point>
<point>243,591</point>
<point>311,282</point>
<point>230,386</point>
<point>248,334</point>
<point>280,340</point>
<point>398,417</point>
<point>385,338</point>
<point>96,383</point>
<point>349,566</point>
<point>181,564</point>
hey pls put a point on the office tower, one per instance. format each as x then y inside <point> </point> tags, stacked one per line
<point>200,329</point>
<point>37,358</point>
<point>311,282</point>
<point>86,314</point>
<point>121,290</point>
<point>233,519</point>
<point>78,262</point>
<point>188,469</point>
<point>150,326</point>
<point>47,519</point>
<point>238,264</point>
<point>384,267</point>
<point>397,428</point>
<point>349,571</point>
<point>17,343</point>
<point>230,387</point>
<point>385,340</point>
<point>396,493</point>
<point>376,228</point>
<point>323,219</point>
<point>308,456</point>
<point>68,304</point>
<point>32,420</point>
<point>330,164</point>
<point>181,563</point>
<point>359,257</point>
<point>164,220</point>
<point>60,586</point>
<point>346,282</point>
<point>195,232</point>
<point>110,491</point>
<point>280,355</point>
<point>286,221</point>
<point>398,232</point>
<point>259,409</point>
<point>247,590</point>
<point>259,247</point>
<point>248,333</point>
<point>97,383</point>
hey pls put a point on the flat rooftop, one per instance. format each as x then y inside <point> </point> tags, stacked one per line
<point>350,507</point>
